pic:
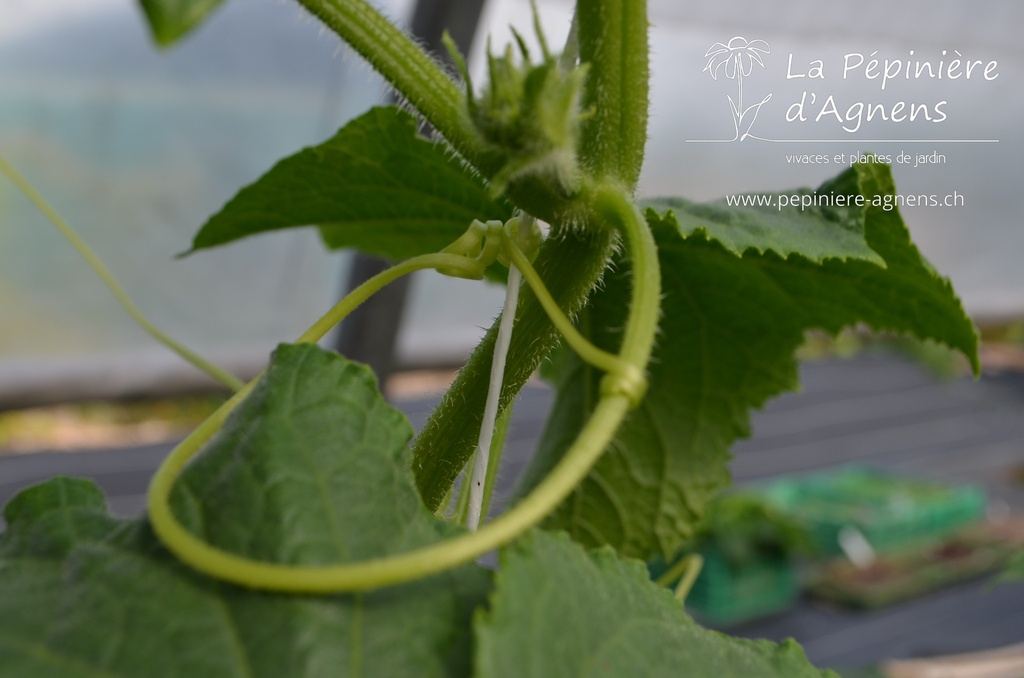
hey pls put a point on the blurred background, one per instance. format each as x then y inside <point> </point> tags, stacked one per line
<point>137,146</point>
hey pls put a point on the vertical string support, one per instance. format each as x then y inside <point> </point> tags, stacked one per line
<point>478,479</point>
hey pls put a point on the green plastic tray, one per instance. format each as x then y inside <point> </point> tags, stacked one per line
<point>968,553</point>
<point>891,511</point>
<point>725,594</point>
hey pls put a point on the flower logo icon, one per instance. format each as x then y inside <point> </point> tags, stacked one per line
<point>737,59</point>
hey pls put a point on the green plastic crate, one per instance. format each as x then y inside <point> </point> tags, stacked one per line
<point>726,594</point>
<point>891,511</point>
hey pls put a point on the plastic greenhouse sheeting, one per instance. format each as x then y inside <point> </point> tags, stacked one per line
<point>136,147</point>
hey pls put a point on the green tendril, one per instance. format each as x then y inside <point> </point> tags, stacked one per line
<point>221,375</point>
<point>591,442</point>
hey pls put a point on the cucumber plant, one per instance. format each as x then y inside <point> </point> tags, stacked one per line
<point>303,530</point>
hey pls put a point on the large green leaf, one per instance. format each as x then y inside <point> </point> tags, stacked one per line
<point>376,185</point>
<point>172,19</point>
<point>311,469</point>
<point>558,611</point>
<point>729,329</point>
<point>816,232</point>
<point>296,473</point>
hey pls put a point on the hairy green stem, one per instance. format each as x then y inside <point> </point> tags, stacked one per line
<point>612,37</point>
<point>200,363</point>
<point>449,437</point>
<point>406,67</point>
<point>627,377</point>
<point>597,357</point>
<point>571,263</point>
<point>613,40</point>
<point>442,102</point>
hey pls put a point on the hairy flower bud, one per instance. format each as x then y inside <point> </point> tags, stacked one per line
<point>532,114</point>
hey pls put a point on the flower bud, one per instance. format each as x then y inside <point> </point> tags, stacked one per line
<point>530,113</point>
